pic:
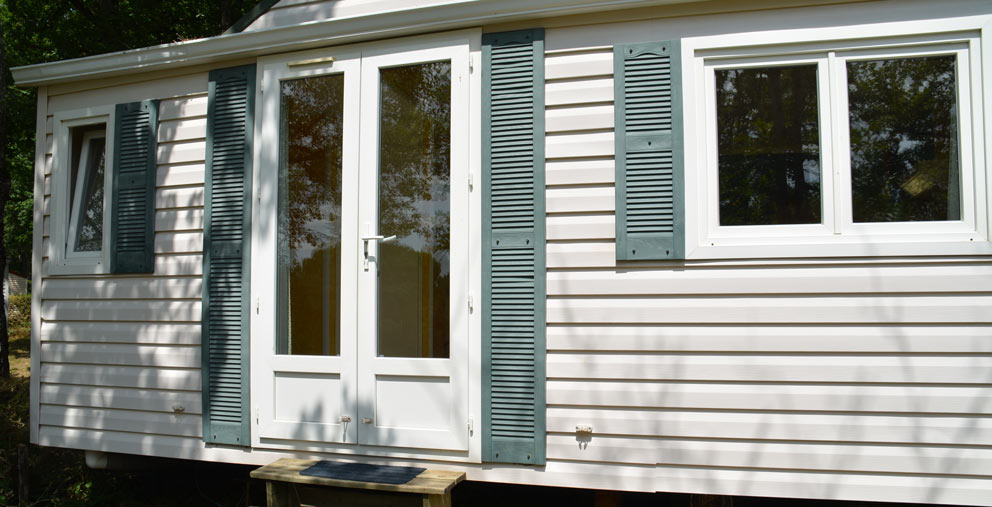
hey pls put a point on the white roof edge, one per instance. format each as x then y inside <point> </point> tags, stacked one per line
<point>456,14</point>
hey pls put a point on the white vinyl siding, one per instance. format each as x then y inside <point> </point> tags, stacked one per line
<point>122,353</point>
<point>753,377</point>
<point>864,378</point>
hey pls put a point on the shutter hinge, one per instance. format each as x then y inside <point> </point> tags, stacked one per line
<point>256,416</point>
<point>471,425</point>
<point>258,305</point>
<point>471,181</point>
<point>471,64</point>
<point>470,304</point>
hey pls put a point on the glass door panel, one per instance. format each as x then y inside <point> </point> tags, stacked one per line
<point>414,206</point>
<point>311,132</point>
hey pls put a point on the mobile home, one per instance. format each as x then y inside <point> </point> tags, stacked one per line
<point>717,247</point>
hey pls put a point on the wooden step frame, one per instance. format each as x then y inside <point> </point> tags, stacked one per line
<point>285,487</point>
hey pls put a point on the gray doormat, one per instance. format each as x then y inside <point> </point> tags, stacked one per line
<point>362,472</point>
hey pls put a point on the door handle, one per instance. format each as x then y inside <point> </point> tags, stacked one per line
<point>382,239</point>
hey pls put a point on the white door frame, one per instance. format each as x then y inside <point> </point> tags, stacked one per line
<point>264,295</point>
<point>294,370</point>
<point>418,425</point>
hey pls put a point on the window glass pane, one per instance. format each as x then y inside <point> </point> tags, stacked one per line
<point>414,204</point>
<point>769,145</point>
<point>89,181</point>
<point>310,215</point>
<point>904,161</point>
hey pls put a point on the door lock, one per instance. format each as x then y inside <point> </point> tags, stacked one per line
<point>346,418</point>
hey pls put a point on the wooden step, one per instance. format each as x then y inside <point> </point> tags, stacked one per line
<point>285,487</point>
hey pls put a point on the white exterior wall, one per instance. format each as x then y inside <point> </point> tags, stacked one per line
<point>849,379</point>
<point>860,378</point>
<point>122,353</point>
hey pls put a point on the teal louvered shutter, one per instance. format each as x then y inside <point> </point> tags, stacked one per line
<point>132,230</point>
<point>513,248</point>
<point>650,179</point>
<point>226,239</point>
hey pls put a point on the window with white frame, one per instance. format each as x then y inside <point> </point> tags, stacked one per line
<point>844,149</point>
<point>81,174</point>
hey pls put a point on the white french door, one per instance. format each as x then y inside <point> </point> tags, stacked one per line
<point>412,292</point>
<point>303,370</point>
<point>360,248</point>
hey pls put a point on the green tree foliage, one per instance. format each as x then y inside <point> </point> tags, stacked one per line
<point>38,31</point>
<point>50,30</point>
<point>904,161</point>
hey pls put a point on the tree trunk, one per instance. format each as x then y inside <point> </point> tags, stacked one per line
<point>226,16</point>
<point>4,195</point>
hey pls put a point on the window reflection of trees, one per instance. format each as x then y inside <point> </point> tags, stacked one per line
<point>310,213</point>
<point>415,155</point>
<point>769,146</point>
<point>414,204</point>
<point>903,121</point>
<point>312,120</point>
<point>89,237</point>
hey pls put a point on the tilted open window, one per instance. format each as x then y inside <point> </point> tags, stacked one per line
<point>81,171</point>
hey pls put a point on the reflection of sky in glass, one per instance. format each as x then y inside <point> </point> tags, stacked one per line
<point>324,233</point>
<point>433,214</point>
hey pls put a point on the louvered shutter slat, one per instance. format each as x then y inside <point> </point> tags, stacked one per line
<point>513,257</point>
<point>132,215</point>
<point>649,159</point>
<point>227,228</point>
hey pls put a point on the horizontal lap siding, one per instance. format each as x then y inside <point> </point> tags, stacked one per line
<point>759,371</point>
<point>122,353</point>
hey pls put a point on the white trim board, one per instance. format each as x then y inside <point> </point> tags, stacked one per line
<point>450,15</point>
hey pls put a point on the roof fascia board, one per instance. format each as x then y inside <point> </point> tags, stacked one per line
<point>453,15</point>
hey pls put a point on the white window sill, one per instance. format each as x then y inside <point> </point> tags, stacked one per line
<point>894,245</point>
<point>91,266</point>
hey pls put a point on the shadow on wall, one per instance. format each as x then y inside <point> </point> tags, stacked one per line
<point>711,400</point>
